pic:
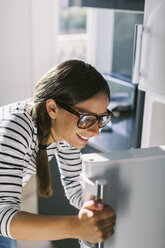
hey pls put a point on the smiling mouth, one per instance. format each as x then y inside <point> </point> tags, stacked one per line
<point>82,138</point>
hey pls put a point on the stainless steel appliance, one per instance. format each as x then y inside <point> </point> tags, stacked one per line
<point>132,181</point>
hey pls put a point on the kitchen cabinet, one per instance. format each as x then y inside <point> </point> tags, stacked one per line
<point>137,5</point>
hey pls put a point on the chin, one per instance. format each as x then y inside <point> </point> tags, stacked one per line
<point>76,143</point>
<point>79,146</point>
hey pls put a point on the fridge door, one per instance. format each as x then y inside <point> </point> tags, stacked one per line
<point>135,189</point>
<point>153,133</point>
<point>153,48</point>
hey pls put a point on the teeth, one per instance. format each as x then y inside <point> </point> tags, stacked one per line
<point>83,137</point>
<point>87,138</point>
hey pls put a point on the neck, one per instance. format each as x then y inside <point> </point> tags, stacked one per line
<point>52,136</point>
<point>51,139</point>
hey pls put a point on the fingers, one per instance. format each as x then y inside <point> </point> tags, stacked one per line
<point>104,233</point>
<point>106,213</point>
<point>104,210</point>
<point>108,234</point>
<point>98,220</point>
<point>94,205</point>
<point>110,222</point>
<point>86,213</point>
<point>100,211</point>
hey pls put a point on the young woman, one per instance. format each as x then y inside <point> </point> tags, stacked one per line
<point>68,108</point>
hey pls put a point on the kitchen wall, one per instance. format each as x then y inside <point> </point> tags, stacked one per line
<point>27,46</point>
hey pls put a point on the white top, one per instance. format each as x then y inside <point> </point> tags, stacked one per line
<point>18,150</point>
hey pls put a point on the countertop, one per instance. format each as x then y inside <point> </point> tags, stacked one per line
<point>119,136</point>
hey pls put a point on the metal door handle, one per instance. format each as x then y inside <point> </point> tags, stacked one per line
<point>100,191</point>
<point>137,53</point>
<point>97,189</point>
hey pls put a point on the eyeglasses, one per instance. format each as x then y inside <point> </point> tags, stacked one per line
<point>87,120</point>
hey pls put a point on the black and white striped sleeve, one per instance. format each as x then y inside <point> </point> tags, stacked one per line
<point>70,165</point>
<point>15,135</point>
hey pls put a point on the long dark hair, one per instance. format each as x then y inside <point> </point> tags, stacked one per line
<point>71,82</point>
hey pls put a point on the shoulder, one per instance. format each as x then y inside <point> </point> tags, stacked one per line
<point>25,106</point>
<point>16,121</point>
<point>19,112</point>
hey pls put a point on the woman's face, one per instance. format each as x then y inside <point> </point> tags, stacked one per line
<point>64,125</point>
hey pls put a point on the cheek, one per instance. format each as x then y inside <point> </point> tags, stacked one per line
<point>71,127</point>
<point>66,125</point>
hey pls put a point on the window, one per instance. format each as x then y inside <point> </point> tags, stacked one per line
<point>72,36</point>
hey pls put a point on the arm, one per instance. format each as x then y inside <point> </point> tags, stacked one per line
<point>94,224</point>
<point>28,226</point>
<point>70,166</point>
<point>15,140</point>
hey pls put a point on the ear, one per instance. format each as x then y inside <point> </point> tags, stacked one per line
<point>51,108</point>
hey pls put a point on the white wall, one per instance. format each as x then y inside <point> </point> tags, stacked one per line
<point>28,30</point>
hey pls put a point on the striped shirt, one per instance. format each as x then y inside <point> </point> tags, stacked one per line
<point>18,150</point>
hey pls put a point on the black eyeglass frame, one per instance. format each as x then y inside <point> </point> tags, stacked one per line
<point>98,117</point>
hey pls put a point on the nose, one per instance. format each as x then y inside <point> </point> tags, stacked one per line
<point>94,129</point>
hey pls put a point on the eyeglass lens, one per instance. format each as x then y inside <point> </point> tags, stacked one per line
<point>87,121</point>
<point>104,120</point>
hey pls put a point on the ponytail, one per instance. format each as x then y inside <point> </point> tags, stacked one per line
<point>42,163</point>
<point>43,174</point>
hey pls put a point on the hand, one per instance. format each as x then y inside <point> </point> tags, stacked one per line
<point>96,221</point>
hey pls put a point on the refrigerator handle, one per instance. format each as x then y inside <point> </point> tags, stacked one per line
<point>137,53</point>
<point>100,184</point>
<point>97,189</point>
